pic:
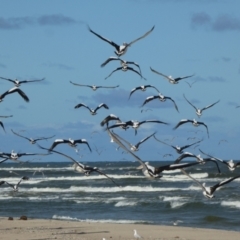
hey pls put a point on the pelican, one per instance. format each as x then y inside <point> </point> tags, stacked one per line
<point>92,111</point>
<point>208,191</point>
<point>14,156</point>
<point>194,123</point>
<point>122,62</point>
<point>124,68</point>
<point>135,124</point>
<point>31,140</point>
<point>230,164</point>
<point>170,78</point>
<point>13,90</point>
<point>142,88</point>
<point>190,84</point>
<point>14,187</point>
<point>17,83</point>
<point>70,142</point>
<point>120,49</point>
<point>93,87</point>
<point>161,97</point>
<point>177,148</point>
<point>87,170</point>
<point>135,147</point>
<point>198,110</point>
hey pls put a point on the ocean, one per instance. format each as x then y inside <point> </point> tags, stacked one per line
<point>55,191</point>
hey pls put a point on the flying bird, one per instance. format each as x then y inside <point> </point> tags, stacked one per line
<point>13,90</point>
<point>31,140</point>
<point>17,83</point>
<point>170,78</point>
<point>93,87</point>
<point>161,97</point>
<point>124,68</point>
<point>190,84</point>
<point>208,191</point>
<point>142,88</point>
<point>14,156</point>
<point>198,110</point>
<point>230,164</point>
<point>14,187</point>
<point>178,148</point>
<point>135,147</point>
<point>135,124</point>
<point>70,142</point>
<point>92,111</point>
<point>87,170</point>
<point>120,49</point>
<point>194,123</point>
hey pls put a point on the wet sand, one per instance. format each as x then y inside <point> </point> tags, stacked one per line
<point>39,229</point>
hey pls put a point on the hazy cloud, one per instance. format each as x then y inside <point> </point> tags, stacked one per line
<point>55,19</point>
<point>2,65</point>
<point>45,20</point>
<point>217,79</point>
<point>221,23</point>
<point>59,66</point>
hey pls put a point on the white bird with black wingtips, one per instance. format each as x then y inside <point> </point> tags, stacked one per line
<point>200,110</point>
<point>93,87</point>
<point>120,49</point>
<point>92,111</point>
<point>17,83</point>
<point>14,187</point>
<point>170,78</point>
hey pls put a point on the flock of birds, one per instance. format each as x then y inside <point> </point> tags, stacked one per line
<point>114,122</point>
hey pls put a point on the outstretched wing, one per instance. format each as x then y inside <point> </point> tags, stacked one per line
<point>210,105</point>
<point>129,44</point>
<point>119,68</point>
<point>190,103</point>
<point>110,59</point>
<point>82,85</point>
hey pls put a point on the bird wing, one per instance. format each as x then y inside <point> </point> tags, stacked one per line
<point>175,105</point>
<point>159,73</point>
<point>182,122</point>
<point>148,99</point>
<point>202,123</point>
<point>27,81</point>
<point>119,68</point>
<point>104,39</point>
<point>210,105</point>
<point>83,141</point>
<point>20,135</point>
<point>82,105</point>
<point>214,188</point>
<point>195,180</point>
<point>9,184</point>
<point>58,141</point>
<point>108,87</point>
<point>133,90</point>
<point>109,118</point>
<point>116,140</point>
<point>180,78</point>
<point>100,172</point>
<point>184,155</point>
<point>189,145</point>
<point>132,69</point>
<point>109,59</point>
<point>8,79</point>
<point>19,91</point>
<point>218,159</point>
<point>190,103</point>
<point>101,105</point>
<point>144,139</point>
<point>83,85</point>
<point>129,44</point>
<point>2,126</point>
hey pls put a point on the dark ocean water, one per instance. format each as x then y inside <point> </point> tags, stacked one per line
<point>55,191</point>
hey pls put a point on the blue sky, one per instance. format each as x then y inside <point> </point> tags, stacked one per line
<point>50,39</point>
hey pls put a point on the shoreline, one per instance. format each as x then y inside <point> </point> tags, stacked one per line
<point>43,229</point>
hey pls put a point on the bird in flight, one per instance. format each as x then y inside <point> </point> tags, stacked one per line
<point>120,49</point>
<point>170,78</point>
<point>93,87</point>
<point>17,83</point>
<point>13,90</point>
<point>92,111</point>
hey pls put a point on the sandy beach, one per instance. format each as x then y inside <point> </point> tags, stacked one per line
<point>38,229</point>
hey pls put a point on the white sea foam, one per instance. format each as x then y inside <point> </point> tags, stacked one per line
<point>232,204</point>
<point>99,220</point>
<point>125,204</point>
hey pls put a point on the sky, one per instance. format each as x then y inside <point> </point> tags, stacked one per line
<point>51,40</point>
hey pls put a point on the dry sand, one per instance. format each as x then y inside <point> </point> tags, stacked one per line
<point>38,229</point>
